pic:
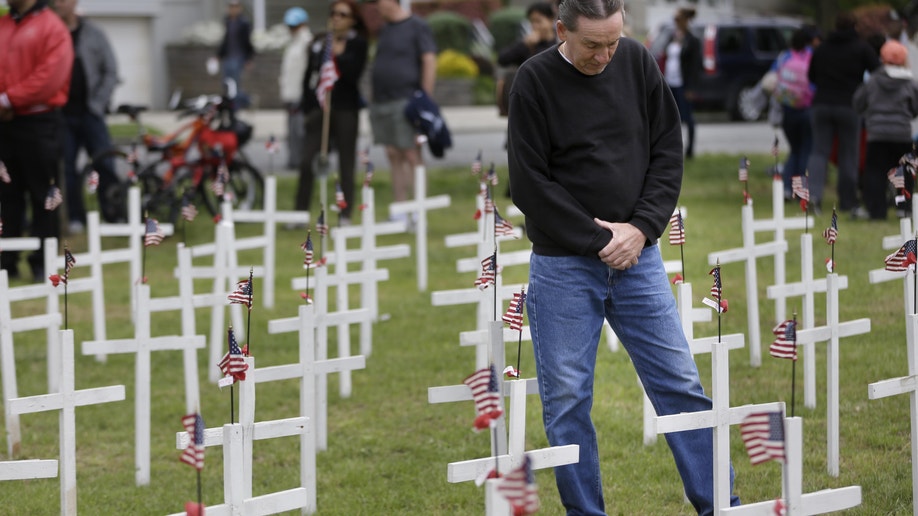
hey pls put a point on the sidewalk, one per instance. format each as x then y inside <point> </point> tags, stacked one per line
<point>460,120</point>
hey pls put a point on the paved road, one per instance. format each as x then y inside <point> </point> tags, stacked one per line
<point>479,128</point>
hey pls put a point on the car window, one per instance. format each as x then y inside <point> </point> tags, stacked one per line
<point>730,40</point>
<point>768,39</point>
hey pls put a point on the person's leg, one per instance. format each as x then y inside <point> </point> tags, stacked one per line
<point>564,304</point>
<point>873,185</point>
<point>687,118</point>
<point>642,311</point>
<point>12,194</point>
<point>402,174</point>
<point>73,140</point>
<point>311,149</point>
<point>97,140</point>
<point>823,133</point>
<point>849,130</point>
<point>346,137</point>
<point>41,155</point>
<point>790,125</point>
<point>296,137</point>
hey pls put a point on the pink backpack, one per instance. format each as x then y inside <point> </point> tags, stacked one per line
<point>793,88</point>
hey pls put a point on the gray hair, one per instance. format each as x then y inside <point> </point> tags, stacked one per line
<point>570,10</point>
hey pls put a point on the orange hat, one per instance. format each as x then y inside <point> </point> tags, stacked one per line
<point>894,53</point>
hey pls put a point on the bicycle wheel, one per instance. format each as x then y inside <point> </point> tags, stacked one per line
<point>244,188</point>
<point>109,198</point>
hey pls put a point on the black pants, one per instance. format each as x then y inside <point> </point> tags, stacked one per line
<point>342,132</point>
<point>30,147</point>
<point>880,157</point>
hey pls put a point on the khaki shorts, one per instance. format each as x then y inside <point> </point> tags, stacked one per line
<point>390,127</point>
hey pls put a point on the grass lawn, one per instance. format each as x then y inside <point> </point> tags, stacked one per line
<point>388,448</point>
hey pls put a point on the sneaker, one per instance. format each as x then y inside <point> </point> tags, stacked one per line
<point>859,213</point>
<point>76,227</point>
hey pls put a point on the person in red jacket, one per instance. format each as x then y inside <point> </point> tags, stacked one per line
<point>34,80</point>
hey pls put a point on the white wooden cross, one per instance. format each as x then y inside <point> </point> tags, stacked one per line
<point>906,231</point>
<point>239,438</point>
<point>806,288</point>
<point>368,254</point>
<point>66,402</point>
<point>322,320</point>
<point>93,259</point>
<point>225,272</point>
<point>748,254</point>
<point>27,469</point>
<point>418,208</point>
<point>796,502</point>
<point>237,470</point>
<point>134,230</point>
<point>9,326</point>
<point>883,275</point>
<point>142,345</point>
<point>486,309</point>
<point>831,333</point>
<point>271,217</point>
<point>905,385</point>
<point>719,418</point>
<point>185,302</point>
<point>688,316</point>
<point>778,224</point>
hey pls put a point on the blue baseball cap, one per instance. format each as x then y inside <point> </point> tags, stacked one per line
<point>295,16</point>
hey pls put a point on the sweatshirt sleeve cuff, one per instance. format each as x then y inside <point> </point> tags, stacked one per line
<point>5,101</point>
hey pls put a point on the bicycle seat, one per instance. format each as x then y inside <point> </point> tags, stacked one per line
<point>131,110</point>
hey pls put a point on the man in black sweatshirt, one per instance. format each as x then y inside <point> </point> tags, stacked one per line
<point>595,156</point>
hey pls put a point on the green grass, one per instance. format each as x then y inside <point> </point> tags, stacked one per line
<point>388,448</point>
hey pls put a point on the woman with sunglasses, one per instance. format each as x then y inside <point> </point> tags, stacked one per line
<point>347,41</point>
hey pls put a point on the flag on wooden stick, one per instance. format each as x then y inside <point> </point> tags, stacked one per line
<point>193,455</point>
<point>519,488</point>
<point>785,343</point>
<point>763,434</point>
<point>486,393</point>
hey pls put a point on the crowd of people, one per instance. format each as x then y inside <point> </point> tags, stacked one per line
<point>594,209</point>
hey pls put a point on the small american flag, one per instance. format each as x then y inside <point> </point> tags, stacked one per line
<point>233,362</point>
<point>339,196</point>
<point>676,229</point>
<point>1,226</point>
<point>800,190</point>
<point>774,148</point>
<point>492,176</point>
<point>153,234</point>
<point>306,246</point>
<point>328,72</point>
<point>519,488</point>
<point>718,303</point>
<point>785,344</point>
<point>92,182</point>
<point>763,434</point>
<point>831,232</point>
<point>193,455</point>
<point>4,173</point>
<point>514,314</point>
<point>69,262</point>
<point>189,210</point>
<point>53,199</point>
<point>488,272</point>
<point>369,169</point>
<point>218,187</point>
<point>486,393</point>
<point>272,145</point>
<point>903,258</point>
<point>321,226</point>
<point>896,176</point>
<point>502,227</point>
<point>243,293</point>
<point>476,165</point>
<point>744,169</point>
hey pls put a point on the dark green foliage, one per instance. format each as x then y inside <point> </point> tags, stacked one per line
<point>505,25</point>
<point>451,31</point>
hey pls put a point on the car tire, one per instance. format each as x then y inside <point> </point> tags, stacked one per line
<point>748,103</point>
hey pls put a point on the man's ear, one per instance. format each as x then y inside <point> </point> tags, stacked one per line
<point>561,29</point>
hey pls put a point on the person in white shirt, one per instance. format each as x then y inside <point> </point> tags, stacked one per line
<point>293,68</point>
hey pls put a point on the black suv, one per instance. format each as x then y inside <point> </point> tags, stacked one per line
<point>736,53</point>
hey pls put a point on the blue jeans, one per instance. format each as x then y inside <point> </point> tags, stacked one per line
<point>568,298</point>
<point>86,131</point>
<point>797,125</point>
